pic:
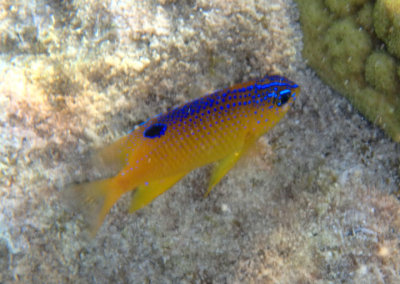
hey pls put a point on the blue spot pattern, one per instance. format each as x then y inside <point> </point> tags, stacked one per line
<point>262,92</point>
<point>210,125</point>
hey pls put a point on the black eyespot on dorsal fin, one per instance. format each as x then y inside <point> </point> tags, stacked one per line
<point>155,130</point>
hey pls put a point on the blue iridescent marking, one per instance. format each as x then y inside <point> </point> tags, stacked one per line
<point>273,84</point>
<point>284,92</point>
<point>144,122</point>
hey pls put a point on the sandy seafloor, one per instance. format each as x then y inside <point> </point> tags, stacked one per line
<point>314,203</point>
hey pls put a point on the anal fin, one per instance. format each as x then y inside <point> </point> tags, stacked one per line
<point>144,194</point>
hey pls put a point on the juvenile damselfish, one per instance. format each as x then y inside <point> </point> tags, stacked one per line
<point>219,127</point>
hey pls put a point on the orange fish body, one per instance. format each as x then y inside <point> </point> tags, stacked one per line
<point>219,127</point>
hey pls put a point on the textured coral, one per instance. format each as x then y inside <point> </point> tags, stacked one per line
<point>340,43</point>
<point>387,24</point>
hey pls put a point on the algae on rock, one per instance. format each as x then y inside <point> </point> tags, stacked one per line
<point>341,45</point>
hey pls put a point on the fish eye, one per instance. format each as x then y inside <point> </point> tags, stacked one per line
<point>285,98</point>
<point>155,130</point>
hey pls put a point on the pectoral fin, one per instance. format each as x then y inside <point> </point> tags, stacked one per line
<point>144,194</point>
<point>222,167</point>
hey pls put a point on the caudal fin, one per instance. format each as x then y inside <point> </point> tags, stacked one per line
<point>93,199</point>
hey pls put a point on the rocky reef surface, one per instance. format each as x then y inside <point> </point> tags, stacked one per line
<point>315,201</point>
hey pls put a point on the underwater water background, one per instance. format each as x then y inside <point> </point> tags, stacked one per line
<point>315,201</point>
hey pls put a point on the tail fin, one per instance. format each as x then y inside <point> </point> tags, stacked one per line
<point>94,200</point>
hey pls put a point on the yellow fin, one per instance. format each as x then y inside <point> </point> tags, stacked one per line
<point>113,155</point>
<point>146,193</point>
<point>223,166</point>
<point>93,199</point>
